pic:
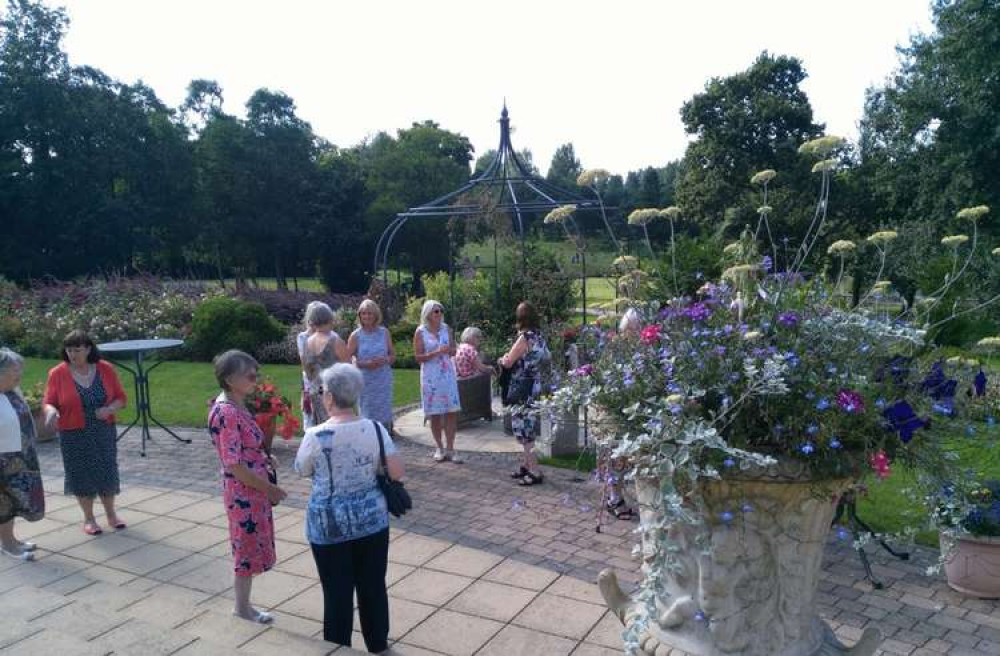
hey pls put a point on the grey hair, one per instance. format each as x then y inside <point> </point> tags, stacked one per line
<point>232,363</point>
<point>9,358</point>
<point>470,334</point>
<point>344,383</point>
<point>318,313</point>
<point>428,307</point>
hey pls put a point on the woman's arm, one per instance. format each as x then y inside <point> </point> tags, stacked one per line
<point>515,353</point>
<point>395,465</point>
<point>418,349</point>
<point>304,464</point>
<point>352,350</point>
<point>390,350</point>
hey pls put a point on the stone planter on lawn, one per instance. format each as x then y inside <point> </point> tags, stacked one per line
<point>972,565</point>
<point>750,589</point>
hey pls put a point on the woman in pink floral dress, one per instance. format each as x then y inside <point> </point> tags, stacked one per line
<point>246,490</point>
<point>433,347</point>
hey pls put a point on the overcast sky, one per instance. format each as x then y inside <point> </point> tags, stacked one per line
<point>610,77</point>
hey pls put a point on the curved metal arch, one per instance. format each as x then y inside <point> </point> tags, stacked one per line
<point>494,179</point>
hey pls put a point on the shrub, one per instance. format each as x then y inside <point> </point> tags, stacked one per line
<point>223,323</point>
<point>37,318</point>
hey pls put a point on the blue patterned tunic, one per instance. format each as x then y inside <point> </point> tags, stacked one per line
<point>342,459</point>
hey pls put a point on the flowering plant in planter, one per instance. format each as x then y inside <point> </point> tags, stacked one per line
<point>267,405</point>
<point>765,376</point>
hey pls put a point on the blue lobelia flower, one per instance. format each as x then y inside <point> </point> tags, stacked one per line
<point>808,448</point>
<point>729,462</point>
<point>726,516</point>
<point>835,443</point>
<point>823,404</point>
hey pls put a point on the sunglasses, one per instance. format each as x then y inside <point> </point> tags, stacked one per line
<point>437,311</point>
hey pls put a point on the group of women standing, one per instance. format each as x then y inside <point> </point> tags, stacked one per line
<point>344,453</point>
<point>82,395</point>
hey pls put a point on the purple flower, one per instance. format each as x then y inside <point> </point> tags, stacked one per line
<point>850,401</point>
<point>812,429</point>
<point>767,263</point>
<point>903,420</point>
<point>789,319</point>
<point>937,385</point>
<point>979,383</point>
<point>728,462</point>
<point>697,312</point>
<point>746,508</point>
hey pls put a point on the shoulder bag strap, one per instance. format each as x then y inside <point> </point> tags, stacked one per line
<point>381,448</point>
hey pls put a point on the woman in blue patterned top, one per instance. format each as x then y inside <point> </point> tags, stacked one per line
<point>347,523</point>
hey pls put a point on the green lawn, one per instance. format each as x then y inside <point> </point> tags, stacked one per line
<point>181,390</point>
<point>305,284</point>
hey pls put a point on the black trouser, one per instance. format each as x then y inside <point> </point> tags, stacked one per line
<point>355,565</point>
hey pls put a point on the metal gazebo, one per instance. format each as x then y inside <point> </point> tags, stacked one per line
<point>506,186</point>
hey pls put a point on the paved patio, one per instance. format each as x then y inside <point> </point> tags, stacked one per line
<point>479,567</point>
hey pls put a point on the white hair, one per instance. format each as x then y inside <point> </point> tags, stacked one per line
<point>470,334</point>
<point>344,383</point>
<point>9,358</point>
<point>318,313</point>
<point>428,307</point>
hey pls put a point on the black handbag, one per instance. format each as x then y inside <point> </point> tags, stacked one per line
<point>397,499</point>
<point>519,391</point>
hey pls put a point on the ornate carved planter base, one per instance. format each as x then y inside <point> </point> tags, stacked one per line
<point>746,582</point>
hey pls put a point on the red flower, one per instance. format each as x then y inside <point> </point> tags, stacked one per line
<point>650,334</point>
<point>880,464</point>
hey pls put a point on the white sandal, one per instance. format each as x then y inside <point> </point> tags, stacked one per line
<point>28,546</point>
<point>23,556</point>
<point>260,618</point>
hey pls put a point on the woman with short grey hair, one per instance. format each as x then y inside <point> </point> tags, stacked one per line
<point>347,520</point>
<point>21,492</point>
<point>247,492</point>
<point>321,349</point>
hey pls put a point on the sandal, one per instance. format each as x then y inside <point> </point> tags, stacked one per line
<point>620,510</point>
<point>520,473</point>
<point>23,556</point>
<point>91,528</point>
<point>530,479</point>
<point>260,617</point>
<point>117,524</point>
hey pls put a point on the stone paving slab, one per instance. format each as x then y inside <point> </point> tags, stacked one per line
<point>478,557</point>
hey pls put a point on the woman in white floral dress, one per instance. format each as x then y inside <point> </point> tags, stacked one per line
<point>434,345</point>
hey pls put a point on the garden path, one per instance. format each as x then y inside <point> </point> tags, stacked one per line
<point>516,556</point>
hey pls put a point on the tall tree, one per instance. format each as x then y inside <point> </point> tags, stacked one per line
<point>565,168</point>
<point>418,165</point>
<point>743,123</point>
<point>930,138</point>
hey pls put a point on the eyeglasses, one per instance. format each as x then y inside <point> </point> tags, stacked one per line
<point>437,311</point>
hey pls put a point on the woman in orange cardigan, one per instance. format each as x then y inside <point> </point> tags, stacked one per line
<point>82,396</point>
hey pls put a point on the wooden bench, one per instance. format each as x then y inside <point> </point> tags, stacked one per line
<point>476,396</point>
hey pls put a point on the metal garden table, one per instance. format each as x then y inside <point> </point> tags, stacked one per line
<point>138,349</point>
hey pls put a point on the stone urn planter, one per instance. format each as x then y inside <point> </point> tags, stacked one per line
<point>972,565</point>
<point>746,582</point>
